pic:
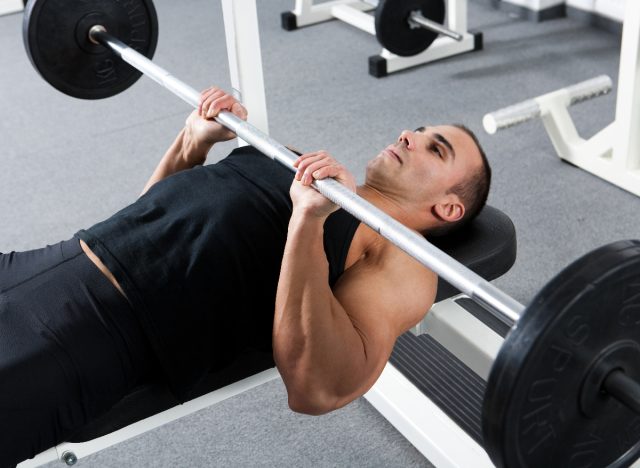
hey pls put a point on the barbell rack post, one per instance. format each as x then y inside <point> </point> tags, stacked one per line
<point>503,306</point>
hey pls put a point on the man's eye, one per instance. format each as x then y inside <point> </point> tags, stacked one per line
<point>436,150</point>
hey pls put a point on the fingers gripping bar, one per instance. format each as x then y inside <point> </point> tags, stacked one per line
<point>476,287</point>
<point>532,108</point>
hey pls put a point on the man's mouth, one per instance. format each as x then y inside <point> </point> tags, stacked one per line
<point>390,151</point>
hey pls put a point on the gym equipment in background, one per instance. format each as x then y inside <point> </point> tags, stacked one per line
<point>408,30</point>
<point>613,153</point>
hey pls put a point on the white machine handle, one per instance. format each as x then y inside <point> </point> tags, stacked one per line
<point>530,109</point>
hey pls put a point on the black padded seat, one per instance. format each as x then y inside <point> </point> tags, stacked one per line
<point>487,246</point>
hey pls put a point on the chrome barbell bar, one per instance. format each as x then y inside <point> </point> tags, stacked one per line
<point>473,285</point>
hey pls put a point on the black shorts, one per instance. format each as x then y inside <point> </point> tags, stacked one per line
<point>70,348</point>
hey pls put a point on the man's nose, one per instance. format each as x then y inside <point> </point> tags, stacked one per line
<point>406,139</point>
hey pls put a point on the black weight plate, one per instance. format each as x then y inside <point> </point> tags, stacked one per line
<point>394,31</point>
<point>532,415</point>
<point>55,34</point>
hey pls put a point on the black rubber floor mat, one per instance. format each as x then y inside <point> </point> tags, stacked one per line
<point>442,377</point>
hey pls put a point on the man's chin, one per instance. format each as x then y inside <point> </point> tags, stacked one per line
<point>379,159</point>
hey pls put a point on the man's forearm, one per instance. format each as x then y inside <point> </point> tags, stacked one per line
<point>183,154</point>
<point>316,346</point>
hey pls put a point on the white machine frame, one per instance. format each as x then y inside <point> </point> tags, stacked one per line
<point>69,453</point>
<point>613,153</point>
<point>355,13</point>
<point>245,59</point>
<point>429,429</point>
<point>424,424</point>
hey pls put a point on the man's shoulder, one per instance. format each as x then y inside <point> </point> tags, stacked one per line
<point>393,283</point>
<point>392,259</point>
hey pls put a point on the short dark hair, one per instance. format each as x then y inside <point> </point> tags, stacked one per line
<point>473,190</point>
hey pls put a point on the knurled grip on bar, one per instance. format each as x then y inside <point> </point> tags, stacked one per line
<point>530,109</point>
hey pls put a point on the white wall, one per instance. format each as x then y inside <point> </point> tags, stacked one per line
<point>586,5</point>
<point>613,9</point>
<point>10,6</point>
<point>535,5</point>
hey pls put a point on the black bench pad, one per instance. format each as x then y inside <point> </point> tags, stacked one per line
<point>487,246</point>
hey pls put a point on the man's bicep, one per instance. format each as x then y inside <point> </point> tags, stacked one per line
<point>380,304</point>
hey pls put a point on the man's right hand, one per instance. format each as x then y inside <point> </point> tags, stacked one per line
<point>202,130</point>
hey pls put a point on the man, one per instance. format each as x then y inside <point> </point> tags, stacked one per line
<point>215,260</point>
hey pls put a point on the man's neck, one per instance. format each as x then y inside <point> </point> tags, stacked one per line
<point>366,241</point>
<point>395,208</point>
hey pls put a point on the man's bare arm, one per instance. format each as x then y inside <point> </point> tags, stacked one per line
<point>184,153</point>
<point>331,345</point>
<point>195,140</point>
<point>311,329</point>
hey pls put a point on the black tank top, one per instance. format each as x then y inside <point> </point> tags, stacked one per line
<point>199,258</point>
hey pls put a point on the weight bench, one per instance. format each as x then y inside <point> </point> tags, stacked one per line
<point>487,246</point>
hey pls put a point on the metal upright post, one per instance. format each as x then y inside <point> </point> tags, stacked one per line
<point>245,59</point>
<point>457,15</point>
<point>627,143</point>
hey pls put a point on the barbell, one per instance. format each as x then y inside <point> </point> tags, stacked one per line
<point>563,390</point>
<point>403,27</point>
<point>407,27</point>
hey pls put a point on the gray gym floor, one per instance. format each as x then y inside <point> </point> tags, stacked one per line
<point>68,164</point>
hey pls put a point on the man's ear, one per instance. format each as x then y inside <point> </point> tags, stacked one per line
<point>449,210</point>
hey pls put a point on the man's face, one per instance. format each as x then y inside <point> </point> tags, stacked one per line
<point>424,164</point>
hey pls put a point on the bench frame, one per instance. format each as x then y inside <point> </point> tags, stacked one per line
<point>74,451</point>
